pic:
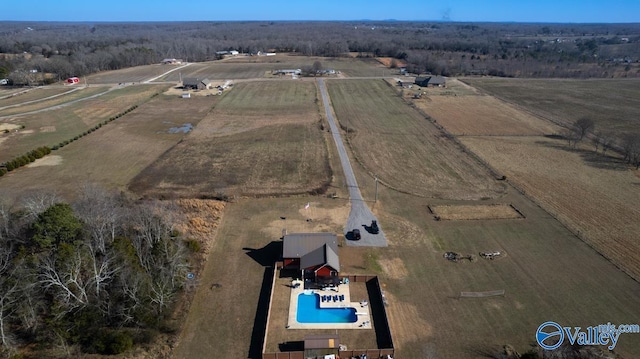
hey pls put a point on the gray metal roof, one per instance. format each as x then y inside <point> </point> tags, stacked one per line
<point>296,245</point>
<point>319,257</point>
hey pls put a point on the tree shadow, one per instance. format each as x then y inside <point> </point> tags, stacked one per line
<point>589,157</point>
<point>267,255</point>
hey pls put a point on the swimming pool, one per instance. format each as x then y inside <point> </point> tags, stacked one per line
<point>309,311</point>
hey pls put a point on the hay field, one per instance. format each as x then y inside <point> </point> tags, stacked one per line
<point>612,103</point>
<point>404,150</point>
<point>257,67</point>
<point>480,115</point>
<point>261,139</point>
<point>44,104</point>
<point>594,196</point>
<point>114,154</point>
<point>56,125</point>
<point>129,75</point>
<point>475,212</point>
<point>34,94</point>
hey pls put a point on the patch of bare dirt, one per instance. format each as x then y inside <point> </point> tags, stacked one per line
<point>475,212</point>
<point>393,268</point>
<point>51,160</point>
<point>48,129</point>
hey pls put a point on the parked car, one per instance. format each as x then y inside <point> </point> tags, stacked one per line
<point>374,227</point>
<point>356,235</point>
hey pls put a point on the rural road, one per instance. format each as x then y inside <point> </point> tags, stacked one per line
<point>360,215</point>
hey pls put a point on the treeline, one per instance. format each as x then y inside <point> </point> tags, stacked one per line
<point>97,275</point>
<point>533,50</point>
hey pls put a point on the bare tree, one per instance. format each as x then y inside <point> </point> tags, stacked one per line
<point>583,126</point>
<point>100,212</point>
<point>39,202</point>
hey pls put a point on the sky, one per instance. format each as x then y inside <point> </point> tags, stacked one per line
<point>552,11</point>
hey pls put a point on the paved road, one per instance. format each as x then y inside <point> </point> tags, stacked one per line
<point>360,215</point>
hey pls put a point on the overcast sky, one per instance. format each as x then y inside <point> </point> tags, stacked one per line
<point>598,11</point>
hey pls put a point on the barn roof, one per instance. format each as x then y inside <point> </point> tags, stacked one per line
<point>297,245</point>
<point>321,256</point>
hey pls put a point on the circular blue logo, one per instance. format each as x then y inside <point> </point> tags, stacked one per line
<point>549,335</point>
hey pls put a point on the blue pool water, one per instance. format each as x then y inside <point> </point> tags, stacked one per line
<point>309,311</point>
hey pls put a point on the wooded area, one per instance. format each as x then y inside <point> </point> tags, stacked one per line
<point>99,274</point>
<point>442,48</point>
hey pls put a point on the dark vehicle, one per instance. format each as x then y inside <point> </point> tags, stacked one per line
<point>356,235</point>
<point>374,227</point>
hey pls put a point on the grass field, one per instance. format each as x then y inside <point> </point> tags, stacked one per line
<point>129,75</point>
<point>56,125</point>
<point>39,105</point>
<point>34,94</point>
<point>265,139</point>
<point>258,67</point>
<point>261,139</point>
<point>114,154</point>
<point>612,104</point>
<point>404,150</point>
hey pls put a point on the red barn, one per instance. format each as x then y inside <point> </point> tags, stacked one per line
<point>73,80</point>
<point>314,254</point>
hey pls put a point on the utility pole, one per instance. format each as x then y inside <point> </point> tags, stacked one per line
<point>376,198</point>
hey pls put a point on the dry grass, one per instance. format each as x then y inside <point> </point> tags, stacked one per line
<point>592,194</point>
<point>64,123</point>
<point>114,154</point>
<point>32,95</point>
<point>475,212</point>
<point>482,115</point>
<point>261,139</point>
<point>612,103</point>
<point>427,163</point>
<point>129,75</point>
<point>39,105</point>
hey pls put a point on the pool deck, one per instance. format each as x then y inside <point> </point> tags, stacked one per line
<point>362,311</point>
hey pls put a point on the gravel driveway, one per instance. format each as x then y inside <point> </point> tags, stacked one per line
<point>360,216</point>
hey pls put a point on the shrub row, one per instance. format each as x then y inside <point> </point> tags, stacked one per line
<point>24,159</point>
<point>75,138</point>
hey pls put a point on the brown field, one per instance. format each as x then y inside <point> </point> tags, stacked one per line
<point>262,138</point>
<point>475,212</point>
<point>113,155</point>
<point>266,137</point>
<point>480,115</point>
<point>44,104</point>
<point>248,68</point>
<point>612,104</point>
<point>593,195</point>
<point>35,94</point>
<point>426,164</point>
<point>129,75</point>
<point>66,122</point>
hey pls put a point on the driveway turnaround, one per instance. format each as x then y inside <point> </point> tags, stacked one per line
<point>360,216</point>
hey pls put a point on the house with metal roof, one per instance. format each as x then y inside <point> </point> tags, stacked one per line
<point>196,83</point>
<point>431,81</point>
<point>314,254</point>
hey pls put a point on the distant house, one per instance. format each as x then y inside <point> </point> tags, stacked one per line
<point>194,83</point>
<point>314,254</point>
<point>431,81</point>
<point>405,84</point>
<point>288,72</point>
<point>171,61</point>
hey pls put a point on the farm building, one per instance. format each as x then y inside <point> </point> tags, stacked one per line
<point>431,81</point>
<point>195,83</point>
<point>314,254</point>
<point>72,80</point>
<point>171,61</point>
<point>288,72</point>
<point>405,84</point>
